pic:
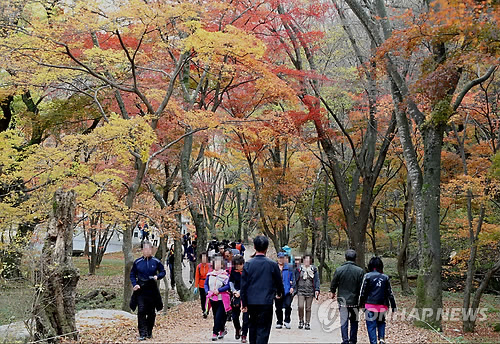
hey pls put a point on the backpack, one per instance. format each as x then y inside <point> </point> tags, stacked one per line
<point>238,247</point>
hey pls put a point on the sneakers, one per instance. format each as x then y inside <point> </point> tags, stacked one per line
<point>205,315</point>
<point>141,338</point>
<point>301,325</point>
<point>287,325</point>
<point>381,341</point>
<point>237,335</point>
<point>221,335</point>
<point>279,326</point>
<point>214,337</point>
<point>307,327</point>
<point>243,339</point>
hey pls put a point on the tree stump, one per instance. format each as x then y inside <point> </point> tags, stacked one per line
<point>57,277</point>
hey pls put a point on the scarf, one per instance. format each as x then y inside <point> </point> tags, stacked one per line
<point>307,272</point>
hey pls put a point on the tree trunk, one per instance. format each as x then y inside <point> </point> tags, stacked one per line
<point>402,262</point>
<point>429,285</point>
<point>128,256</point>
<point>470,321</point>
<point>57,278</point>
<point>183,292</point>
<point>7,112</point>
<point>93,253</point>
<point>357,241</point>
<point>239,213</point>
<point>162,254</point>
<point>194,209</point>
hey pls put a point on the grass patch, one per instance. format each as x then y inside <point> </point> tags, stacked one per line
<point>15,301</point>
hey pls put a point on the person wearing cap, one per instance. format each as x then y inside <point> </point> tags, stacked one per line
<point>288,250</point>
<point>285,302</point>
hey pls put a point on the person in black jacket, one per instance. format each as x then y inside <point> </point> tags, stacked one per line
<point>241,330</point>
<point>144,274</point>
<point>375,297</point>
<point>260,283</point>
<point>347,279</point>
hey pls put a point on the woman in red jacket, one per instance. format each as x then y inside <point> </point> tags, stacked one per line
<point>199,282</point>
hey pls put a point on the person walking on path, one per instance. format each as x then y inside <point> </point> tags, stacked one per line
<point>261,283</point>
<point>347,280</point>
<point>186,241</point>
<point>240,247</point>
<point>170,260</point>
<point>217,289</point>
<point>375,297</point>
<point>146,270</point>
<point>241,330</point>
<point>285,302</point>
<point>191,254</point>
<point>307,284</point>
<point>202,271</point>
<point>228,260</point>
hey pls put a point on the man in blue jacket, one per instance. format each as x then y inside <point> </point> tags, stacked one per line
<point>261,283</point>
<point>146,297</point>
<point>285,302</point>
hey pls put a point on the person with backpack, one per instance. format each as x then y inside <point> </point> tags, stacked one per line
<point>375,297</point>
<point>241,330</point>
<point>202,271</point>
<point>307,284</point>
<point>217,289</point>
<point>286,301</point>
<point>240,247</point>
<point>347,279</point>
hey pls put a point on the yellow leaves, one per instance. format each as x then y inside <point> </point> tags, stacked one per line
<point>121,136</point>
<point>232,42</point>
<point>105,57</point>
<point>95,165</point>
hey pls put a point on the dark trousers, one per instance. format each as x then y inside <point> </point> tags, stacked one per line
<point>260,322</point>
<point>203,299</point>
<point>172,280</point>
<point>243,327</point>
<point>349,316</point>
<point>146,315</point>
<point>286,303</point>
<point>219,316</point>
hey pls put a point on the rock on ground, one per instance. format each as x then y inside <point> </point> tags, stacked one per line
<point>86,320</point>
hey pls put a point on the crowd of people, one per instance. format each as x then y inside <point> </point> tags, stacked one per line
<point>247,292</point>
